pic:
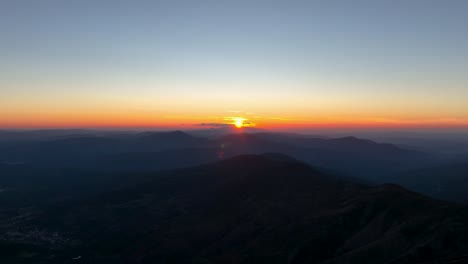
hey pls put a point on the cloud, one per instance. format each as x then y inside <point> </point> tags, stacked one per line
<point>214,125</point>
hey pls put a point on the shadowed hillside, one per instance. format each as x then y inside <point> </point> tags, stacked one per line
<point>448,181</point>
<point>248,209</point>
<point>351,156</point>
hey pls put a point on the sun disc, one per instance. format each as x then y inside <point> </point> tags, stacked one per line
<point>238,122</point>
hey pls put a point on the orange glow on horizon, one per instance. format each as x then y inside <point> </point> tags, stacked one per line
<point>205,120</point>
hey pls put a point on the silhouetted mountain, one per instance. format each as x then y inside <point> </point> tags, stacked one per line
<point>44,134</point>
<point>147,151</point>
<point>360,158</point>
<point>165,140</point>
<point>248,209</point>
<point>344,144</point>
<point>84,151</point>
<point>160,160</point>
<point>448,182</point>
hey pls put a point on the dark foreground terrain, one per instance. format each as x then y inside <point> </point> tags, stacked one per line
<point>249,209</point>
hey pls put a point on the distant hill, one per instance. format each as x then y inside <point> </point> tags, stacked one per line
<point>448,181</point>
<point>360,158</point>
<point>247,209</point>
<point>148,151</point>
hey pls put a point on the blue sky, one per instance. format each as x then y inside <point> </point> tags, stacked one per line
<point>347,54</point>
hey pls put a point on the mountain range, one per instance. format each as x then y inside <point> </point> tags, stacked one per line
<point>266,208</point>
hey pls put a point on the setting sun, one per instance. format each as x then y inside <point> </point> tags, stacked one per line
<point>238,122</point>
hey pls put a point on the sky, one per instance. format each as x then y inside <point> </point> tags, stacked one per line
<point>274,64</point>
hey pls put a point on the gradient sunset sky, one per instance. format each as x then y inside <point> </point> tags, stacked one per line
<point>276,64</point>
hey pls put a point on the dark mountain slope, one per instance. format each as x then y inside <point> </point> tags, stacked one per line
<point>167,140</point>
<point>83,151</point>
<point>351,156</point>
<point>359,158</point>
<point>249,209</point>
<point>448,181</point>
